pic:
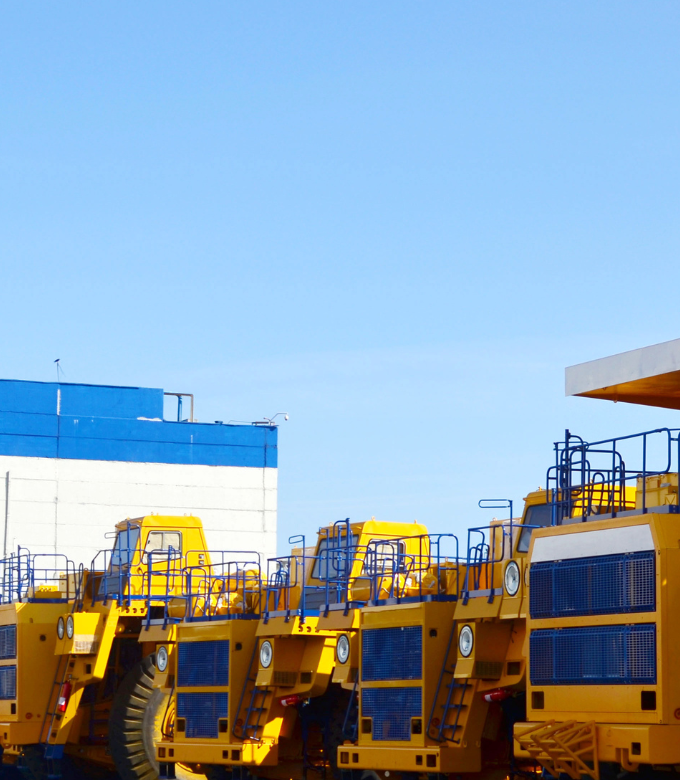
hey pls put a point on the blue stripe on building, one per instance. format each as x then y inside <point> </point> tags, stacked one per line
<point>95,422</point>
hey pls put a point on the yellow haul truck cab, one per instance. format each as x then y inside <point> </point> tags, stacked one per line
<point>83,703</point>
<point>441,675</point>
<point>602,631</point>
<point>282,714</point>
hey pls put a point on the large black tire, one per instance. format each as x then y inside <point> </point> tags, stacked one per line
<point>135,724</point>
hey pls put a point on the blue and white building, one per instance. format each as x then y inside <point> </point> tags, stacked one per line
<point>76,459</point>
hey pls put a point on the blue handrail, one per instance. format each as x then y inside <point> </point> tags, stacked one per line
<point>26,576</point>
<point>208,586</point>
<point>393,568</point>
<point>385,568</point>
<point>591,477</point>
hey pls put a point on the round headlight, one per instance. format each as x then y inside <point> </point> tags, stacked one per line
<point>70,627</point>
<point>342,648</point>
<point>512,578</point>
<point>266,653</point>
<point>466,640</point>
<point>60,628</point>
<point>162,659</point>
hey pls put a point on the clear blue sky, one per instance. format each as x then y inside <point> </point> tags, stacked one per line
<point>397,221</point>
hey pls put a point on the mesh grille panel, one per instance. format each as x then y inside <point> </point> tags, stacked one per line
<point>8,682</point>
<point>597,655</point>
<point>392,653</point>
<point>8,642</point>
<point>603,585</point>
<point>202,711</point>
<point>391,710</point>
<point>203,664</point>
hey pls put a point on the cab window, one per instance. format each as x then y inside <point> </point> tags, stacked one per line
<point>539,515</point>
<point>334,560</point>
<point>382,557</point>
<point>125,546</point>
<point>162,541</point>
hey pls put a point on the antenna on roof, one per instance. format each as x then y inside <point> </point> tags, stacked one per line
<point>269,421</point>
<point>60,370</point>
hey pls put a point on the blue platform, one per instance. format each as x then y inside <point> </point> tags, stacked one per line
<point>100,422</point>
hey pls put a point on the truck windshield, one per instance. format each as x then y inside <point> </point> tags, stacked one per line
<point>125,546</point>
<point>539,515</point>
<point>335,559</point>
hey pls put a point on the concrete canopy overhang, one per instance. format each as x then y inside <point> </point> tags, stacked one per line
<point>648,376</point>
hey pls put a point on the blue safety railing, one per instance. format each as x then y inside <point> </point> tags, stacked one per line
<point>345,575</point>
<point>288,592</point>
<point>44,577</point>
<point>285,591</point>
<point>595,478</point>
<point>162,580</point>
<point>337,552</point>
<point>420,567</point>
<point>228,588</point>
<point>488,546</point>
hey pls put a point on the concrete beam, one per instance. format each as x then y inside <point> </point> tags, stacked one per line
<point>649,376</point>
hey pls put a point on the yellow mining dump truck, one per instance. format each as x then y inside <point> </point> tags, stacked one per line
<point>264,702</point>
<point>206,672</point>
<point>76,654</point>
<point>603,696</point>
<point>440,675</point>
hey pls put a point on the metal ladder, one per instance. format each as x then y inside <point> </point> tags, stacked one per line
<point>253,707</point>
<point>450,707</point>
<point>567,748</point>
<point>53,752</point>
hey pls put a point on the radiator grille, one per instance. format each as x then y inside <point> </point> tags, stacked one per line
<point>489,670</point>
<point>392,653</point>
<point>8,682</point>
<point>202,711</point>
<point>597,655</point>
<point>8,642</point>
<point>603,585</point>
<point>285,679</point>
<point>391,710</point>
<point>203,664</point>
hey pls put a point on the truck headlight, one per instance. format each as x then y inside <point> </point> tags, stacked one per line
<point>60,628</point>
<point>342,649</point>
<point>466,640</point>
<point>70,626</point>
<point>162,659</point>
<point>512,578</point>
<point>266,654</point>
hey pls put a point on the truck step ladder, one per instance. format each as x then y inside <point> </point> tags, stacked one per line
<point>443,727</point>
<point>567,748</point>
<point>47,733</point>
<point>257,705</point>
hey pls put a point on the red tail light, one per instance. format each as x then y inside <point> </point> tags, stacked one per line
<point>64,696</point>
<point>498,694</point>
<point>290,701</point>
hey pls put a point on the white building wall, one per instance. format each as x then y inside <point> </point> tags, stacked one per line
<point>67,506</point>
